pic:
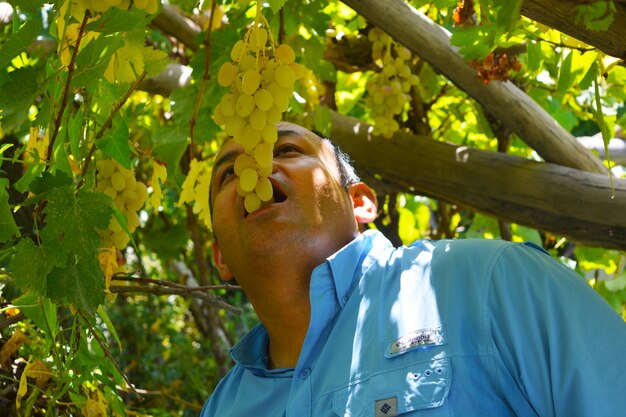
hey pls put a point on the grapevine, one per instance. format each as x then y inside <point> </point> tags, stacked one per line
<point>388,89</point>
<point>261,78</point>
<point>128,195</point>
<point>150,6</point>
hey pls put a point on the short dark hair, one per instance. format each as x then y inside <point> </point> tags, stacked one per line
<point>347,172</point>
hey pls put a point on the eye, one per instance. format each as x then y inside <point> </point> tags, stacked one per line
<point>226,173</point>
<point>285,149</point>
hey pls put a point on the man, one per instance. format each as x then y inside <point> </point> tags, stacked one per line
<point>354,327</point>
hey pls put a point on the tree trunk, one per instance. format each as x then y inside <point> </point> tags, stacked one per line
<point>561,15</point>
<point>545,196</point>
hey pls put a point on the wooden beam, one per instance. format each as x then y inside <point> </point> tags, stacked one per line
<point>544,196</point>
<point>503,100</point>
<point>561,15</point>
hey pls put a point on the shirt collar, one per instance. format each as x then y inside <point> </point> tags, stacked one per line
<point>346,267</point>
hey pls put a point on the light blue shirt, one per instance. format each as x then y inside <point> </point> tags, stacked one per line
<point>449,328</point>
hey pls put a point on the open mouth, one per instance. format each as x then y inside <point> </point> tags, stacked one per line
<point>278,196</point>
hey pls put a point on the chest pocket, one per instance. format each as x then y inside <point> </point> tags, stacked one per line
<point>419,386</point>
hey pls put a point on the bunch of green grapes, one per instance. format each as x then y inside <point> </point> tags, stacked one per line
<point>261,80</point>
<point>128,194</point>
<point>150,6</point>
<point>388,89</point>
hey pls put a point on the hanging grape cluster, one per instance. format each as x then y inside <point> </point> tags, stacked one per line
<point>150,6</point>
<point>388,89</point>
<point>128,194</point>
<point>261,80</point>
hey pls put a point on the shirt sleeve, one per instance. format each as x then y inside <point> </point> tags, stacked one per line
<point>554,338</point>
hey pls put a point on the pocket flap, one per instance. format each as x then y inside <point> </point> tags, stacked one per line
<point>393,392</point>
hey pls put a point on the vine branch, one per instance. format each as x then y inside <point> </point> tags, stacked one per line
<point>66,91</point>
<point>206,76</point>
<point>107,124</point>
<point>162,287</point>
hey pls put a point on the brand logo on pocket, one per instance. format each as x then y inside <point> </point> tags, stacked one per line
<point>387,407</point>
<point>418,338</point>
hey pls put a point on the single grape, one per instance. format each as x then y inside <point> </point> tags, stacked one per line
<point>242,162</point>
<point>258,38</point>
<point>233,125</point>
<point>284,75</point>
<point>284,54</point>
<point>258,119</point>
<point>251,202</point>
<point>250,81</point>
<point>263,153</point>
<point>244,105</point>
<point>227,105</point>
<point>239,50</point>
<point>248,138</point>
<point>226,74</point>
<point>263,99</point>
<point>117,181</point>
<point>264,189</point>
<point>269,134</point>
<point>248,179</point>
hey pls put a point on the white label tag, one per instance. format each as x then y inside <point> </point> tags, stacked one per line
<point>418,338</point>
<point>387,407</point>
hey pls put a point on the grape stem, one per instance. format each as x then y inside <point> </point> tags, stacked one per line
<point>107,125</point>
<point>66,91</point>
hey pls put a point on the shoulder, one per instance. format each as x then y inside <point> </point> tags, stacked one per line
<point>224,394</point>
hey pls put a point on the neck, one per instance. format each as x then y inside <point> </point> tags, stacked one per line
<point>282,303</point>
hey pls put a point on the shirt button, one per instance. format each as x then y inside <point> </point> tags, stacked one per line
<point>344,300</point>
<point>305,373</point>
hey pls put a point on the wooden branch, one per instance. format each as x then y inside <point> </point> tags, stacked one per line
<point>561,15</point>
<point>187,292</point>
<point>171,21</point>
<point>545,196</point>
<point>503,100</point>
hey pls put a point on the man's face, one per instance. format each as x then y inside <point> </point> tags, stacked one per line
<point>310,216</point>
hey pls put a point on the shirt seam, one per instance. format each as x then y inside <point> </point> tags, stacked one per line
<point>491,348</point>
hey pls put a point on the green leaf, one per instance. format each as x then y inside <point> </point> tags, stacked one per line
<point>8,228</point>
<point>29,6</point>
<point>117,20</point>
<point>276,5</point>
<point>33,171</point>
<point>17,94</point>
<point>76,218</point>
<point>474,42</point>
<point>80,282</point>
<point>48,181</point>
<point>116,145</point>
<point>74,134</point>
<point>566,78</point>
<point>169,145</point>
<point>597,15</point>
<point>42,311</point>
<point>105,318</point>
<point>93,60</point>
<point>154,61</point>
<point>17,43</point>
<point>322,120</point>
<point>31,263</point>
<point>509,14</point>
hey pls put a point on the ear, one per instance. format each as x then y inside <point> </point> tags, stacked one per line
<point>364,203</point>
<point>222,268</point>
